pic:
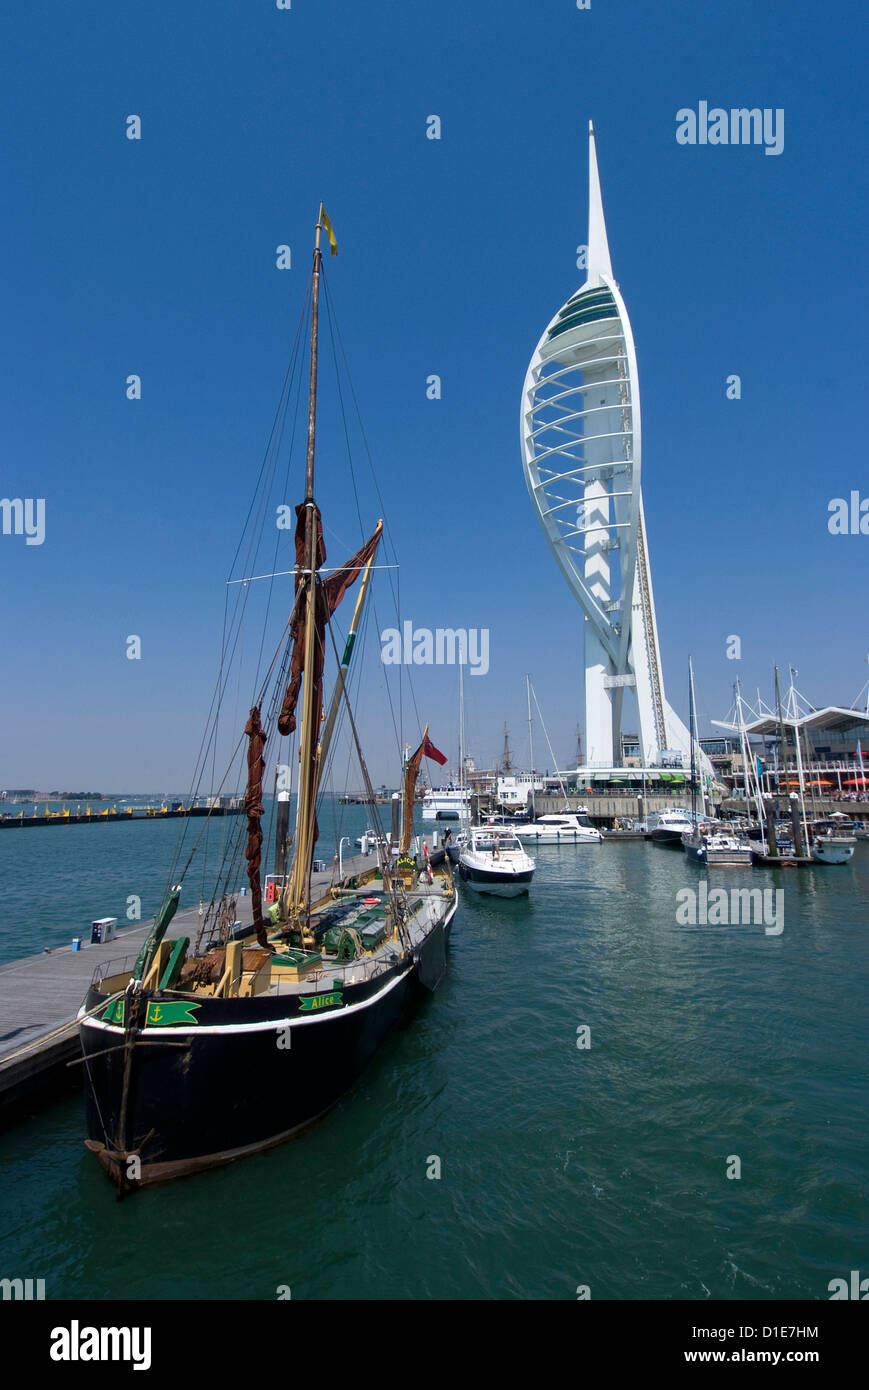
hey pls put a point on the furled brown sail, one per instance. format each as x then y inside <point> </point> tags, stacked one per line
<point>253,805</point>
<point>425,750</point>
<point>329,595</point>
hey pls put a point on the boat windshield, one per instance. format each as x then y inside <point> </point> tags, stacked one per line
<point>496,842</point>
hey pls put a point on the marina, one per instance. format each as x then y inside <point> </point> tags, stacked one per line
<point>387,998</point>
<point>571,1164</point>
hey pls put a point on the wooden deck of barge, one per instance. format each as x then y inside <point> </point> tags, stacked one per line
<point>40,996</point>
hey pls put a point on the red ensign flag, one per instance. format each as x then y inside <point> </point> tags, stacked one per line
<point>430,751</point>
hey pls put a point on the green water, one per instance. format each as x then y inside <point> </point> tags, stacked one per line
<point>605,1166</point>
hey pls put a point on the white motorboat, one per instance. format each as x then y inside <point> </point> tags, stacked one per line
<point>560,829</point>
<point>371,841</point>
<point>493,861</point>
<point>668,826</point>
<point>832,841</point>
<point>717,848</point>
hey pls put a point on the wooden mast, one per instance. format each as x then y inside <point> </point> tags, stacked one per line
<point>301,880</point>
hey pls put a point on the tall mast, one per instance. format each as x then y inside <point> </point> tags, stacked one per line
<point>794,713</point>
<point>307,752</point>
<point>693,727</point>
<point>461,728</point>
<point>530,733</point>
<point>783,750</point>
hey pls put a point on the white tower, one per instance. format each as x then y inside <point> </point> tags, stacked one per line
<point>581,448</point>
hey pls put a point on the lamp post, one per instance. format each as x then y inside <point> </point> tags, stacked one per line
<point>341,842</point>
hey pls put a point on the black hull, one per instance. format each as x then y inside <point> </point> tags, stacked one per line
<point>263,1071</point>
<point>673,838</point>
<point>495,881</point>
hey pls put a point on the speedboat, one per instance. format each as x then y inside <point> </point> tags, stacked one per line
<point>371,841</point>
<point>493,861</point>
<point>832,841</point>
<point>717,849</point>
<point>668,827</point>
<point>558,830</point>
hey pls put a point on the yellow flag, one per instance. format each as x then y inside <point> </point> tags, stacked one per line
<point>328,229</point>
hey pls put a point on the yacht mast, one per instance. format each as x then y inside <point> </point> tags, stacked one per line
<point>301,885</point>
<point>693,728</point>
<point>461,729</point>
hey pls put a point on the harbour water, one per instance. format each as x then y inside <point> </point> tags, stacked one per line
<point>560,1165</point>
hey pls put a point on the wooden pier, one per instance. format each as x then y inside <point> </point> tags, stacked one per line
<point>112,817</point>
<point>40,996</point>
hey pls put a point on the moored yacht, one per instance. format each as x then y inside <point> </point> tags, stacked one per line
<point>561,829</point>
<point>668,826</point>
<point>717,848</point>
<point>833,841</point>
<point>493,861</point>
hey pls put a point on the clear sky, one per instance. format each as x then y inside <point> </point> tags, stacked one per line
<point>157,257</point>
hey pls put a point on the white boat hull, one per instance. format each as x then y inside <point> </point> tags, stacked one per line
<point>541,836</point>
<point>832,852</point>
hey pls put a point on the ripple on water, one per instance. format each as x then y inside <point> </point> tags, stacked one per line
<point>559,1166</point>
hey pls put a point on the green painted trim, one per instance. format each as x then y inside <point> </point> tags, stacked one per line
<point>309,1002</point>
<point>167,1015</point>
<point>174,963</point>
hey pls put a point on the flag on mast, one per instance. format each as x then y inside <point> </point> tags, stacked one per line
<point>429,751</point>
<point>325,222</point>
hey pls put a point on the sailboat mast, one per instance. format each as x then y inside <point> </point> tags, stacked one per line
<point>692,720</point>
<point>530,733</point>
<point>461,729</point>
<point>783,750</point>
<point>307,752</point>
<point>312,394</point>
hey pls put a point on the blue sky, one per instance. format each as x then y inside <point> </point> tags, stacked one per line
<point>158,257</point>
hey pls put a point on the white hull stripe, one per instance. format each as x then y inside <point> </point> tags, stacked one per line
<point>268,1025</point>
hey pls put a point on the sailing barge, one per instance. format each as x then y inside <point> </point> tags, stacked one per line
<point>197,1057</point>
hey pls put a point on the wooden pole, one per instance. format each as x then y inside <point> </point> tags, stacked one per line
<point>305,817</point>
